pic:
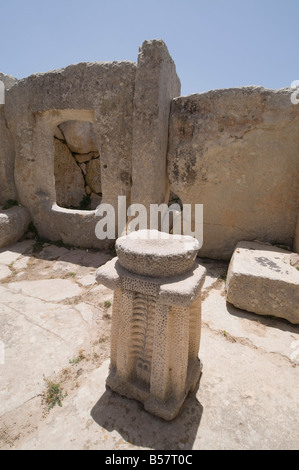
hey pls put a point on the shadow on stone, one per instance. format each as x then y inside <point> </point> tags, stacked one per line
<point>128,417</point>
<point>266,320</point>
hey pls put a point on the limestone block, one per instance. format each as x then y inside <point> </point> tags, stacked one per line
<point>156,326</point>
<point>8,80</point>
<point>85,157</point>
<point>4,272</point>
<point>7,159</point>
<point>58,134</point>
<point>294,259</point>
<point>80,136</point>
<point>161,255</point>
<point>95,201</point>
<point>296,238</point>
<point>156,84</point>
<point>7,151</point>
<point>93,175</point>
<point>236,152</point>
<point>69,180</point>
<point>13,224</point>
<point>100,93</point>
<point>262,280</point>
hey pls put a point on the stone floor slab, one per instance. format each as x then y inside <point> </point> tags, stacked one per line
<point>49,290</point>
<point>247,397</point>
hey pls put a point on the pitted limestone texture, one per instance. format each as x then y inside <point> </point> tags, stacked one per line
<point>156,321</point>
<point>264,280</point>
<point>156,254</point>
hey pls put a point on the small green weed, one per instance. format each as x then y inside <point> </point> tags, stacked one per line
<point>107,304</point>
<point>71,275</point>
<point>53,395</point>
<point>78,359</point>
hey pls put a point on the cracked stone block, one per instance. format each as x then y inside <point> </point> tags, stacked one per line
<point>69,180</point>
<point>262,280</point>
<point>80,136</point>
<point>93,175</point>
<point>248,135</point>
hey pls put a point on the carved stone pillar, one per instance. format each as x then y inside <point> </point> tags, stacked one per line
<point>156,319</point>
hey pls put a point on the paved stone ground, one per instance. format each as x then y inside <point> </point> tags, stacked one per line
<point>54,329</point>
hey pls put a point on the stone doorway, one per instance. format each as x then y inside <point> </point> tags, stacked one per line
<point>77,166</point>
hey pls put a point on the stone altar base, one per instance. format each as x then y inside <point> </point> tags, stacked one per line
<point>156,324</point>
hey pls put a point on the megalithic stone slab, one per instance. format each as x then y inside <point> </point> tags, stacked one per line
<point>296,239</point>
<point>156,85</point>
<point>156,325</point>
<point>262,280</point>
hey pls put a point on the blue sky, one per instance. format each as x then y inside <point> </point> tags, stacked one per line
<point>214,43</point>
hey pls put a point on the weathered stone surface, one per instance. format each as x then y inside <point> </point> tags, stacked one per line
<point>69,180</point>
<point>13,224</point>
<point>93,175</point>
<point>97,93</point>
<point>86,157</point>
<point>296,238</point>
<point>58,134</point>
<point>73,227</point>
<point>294,259</point>
<point>7,152</point>
<point>156,254</point>
<point>236,152</point>
<point>246,398</point>
<point>52,252</point>
<point>4,272</point>
<point>8,80</point>
<point>156,323</point>
<point>57,329</point>
<point>156,84</point>
<point>262,280</point>
<point>49,290</point>
<point>80,136</point>
<point>95,201</point>
<point>12,253</point>
<point>7,157</point>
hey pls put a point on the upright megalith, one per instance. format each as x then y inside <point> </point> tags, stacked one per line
<point>296,238</point>
<point>156,319</point>
<point>7,151</point>
<point>88,106</point>
<point>236,152</point>
<point>156,85</point>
